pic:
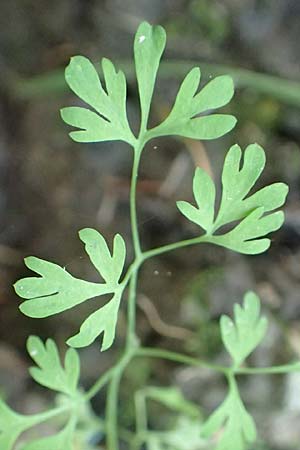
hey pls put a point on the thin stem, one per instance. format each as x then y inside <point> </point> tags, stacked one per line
<point>131,340</point>
<point>178,357</point>
<point>176,245</point>
<point>36,419</point>
<point>99,384</point>
<point>268,370</point>
<point>112,411</point>
<point>141,413</point>
<point>133,215</point>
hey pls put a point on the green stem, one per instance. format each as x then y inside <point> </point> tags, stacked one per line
<point>36,419</point>
<point>159,251</point>
<point>112,411</point>
<point>178,357</point>
<point>98,385</point>
<point>176,245</point>
<point>141,419</point>
<point>268,370</point>
<point>131,340</point>
<point>133,215</point>
<point>114,375</point>
<point>111,416</point>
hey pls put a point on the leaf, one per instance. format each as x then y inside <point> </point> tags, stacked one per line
<point>239,429</point>
<point>204,214</point>
<point>108,119</point>
<point>50,372</point>
<point>109,266</point>
<point>104,320</point>
<point>93,127</point>
<point>182,120</point>
<point>187,423</point>
<point>237,182</point>
<point>243,334</point>
<point>172,398</point>
<point>53,375</point>
<point>186,435</point>
<point>60,441</point>
<point>11,426</point>
<point>246,236</point>
<point>149,45</point>
<point>154,443</point>
<point>56,290</point>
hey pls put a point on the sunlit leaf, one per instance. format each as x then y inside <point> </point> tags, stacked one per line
<point>249,235</point>
<point>110,266</point>
<point>104,320</point>
<point>246,236</point>
<point>237,181</point>
<point>108,118</point>
<point>149,45</point>
<point>183,120</point>
<point>205,194</point>
<point>56,290</point>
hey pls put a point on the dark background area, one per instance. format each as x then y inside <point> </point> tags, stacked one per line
<point>51,187</point>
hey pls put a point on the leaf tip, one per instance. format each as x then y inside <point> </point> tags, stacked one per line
<point>28,260</point>
<point>33,343</point>
<point>88,233</point>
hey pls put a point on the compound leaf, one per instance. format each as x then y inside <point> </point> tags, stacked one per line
<point>53,375</point>
<point>248,236</point>
<point>149,45</point>
<point>239,429</point>
<point>243,334</point>
<point>109,121</point>
<point>104,320</point>
<point>56,290</point>
<point>182,120</point>
<point>49,371</point>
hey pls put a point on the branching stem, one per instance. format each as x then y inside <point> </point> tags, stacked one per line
<point>131,340</point>
<point>114,375</point>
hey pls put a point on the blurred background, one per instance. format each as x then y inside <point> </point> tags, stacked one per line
<point>51,187</point>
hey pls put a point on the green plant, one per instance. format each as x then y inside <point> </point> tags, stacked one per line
<point>241,223</point>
